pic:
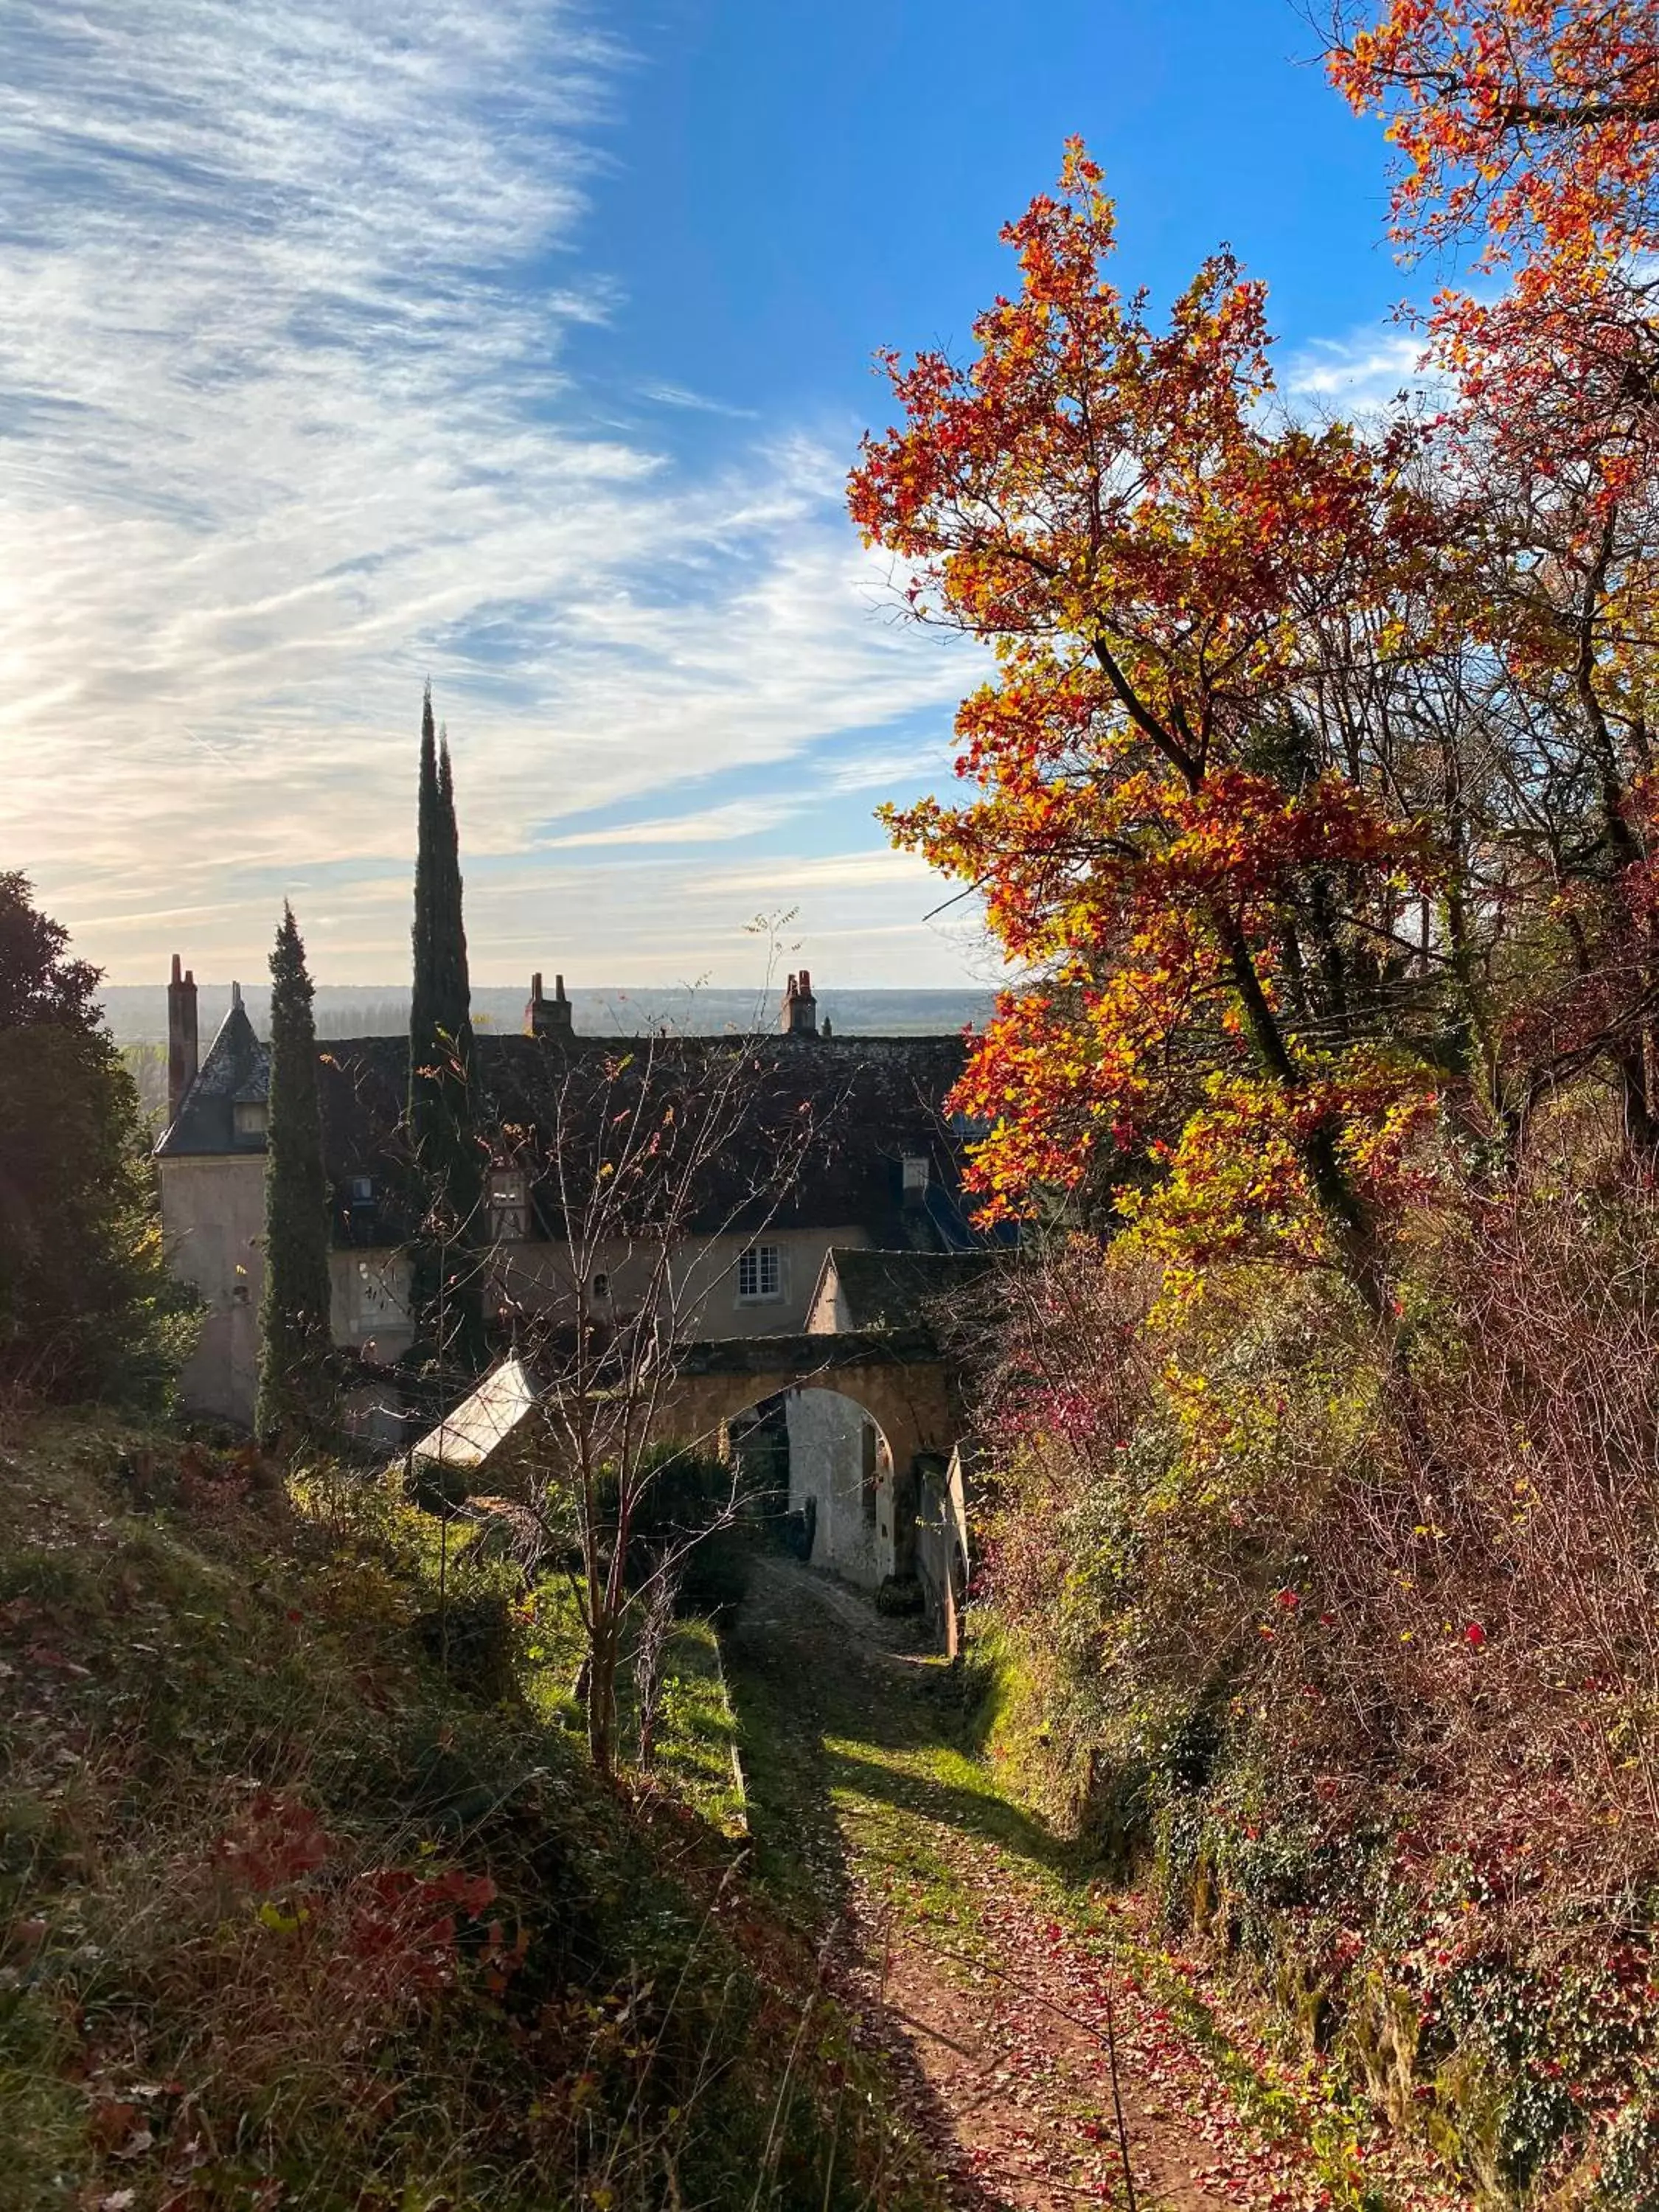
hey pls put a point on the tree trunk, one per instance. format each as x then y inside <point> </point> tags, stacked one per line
<point>602,1694</point>
<point>1346,1215</point>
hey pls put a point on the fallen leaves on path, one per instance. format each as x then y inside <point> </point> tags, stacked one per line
<point>998,1992</point>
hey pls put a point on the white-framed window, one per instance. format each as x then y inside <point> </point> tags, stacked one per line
<point>506,1207</point>
<point>247,1117</point>
<point>760,1273</point>
<point>916,1171</point>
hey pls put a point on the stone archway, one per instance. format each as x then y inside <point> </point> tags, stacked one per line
<point>895,1378</point>
<point>849,1499</point>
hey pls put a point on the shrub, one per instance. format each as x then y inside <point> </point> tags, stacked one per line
<point>1352,1651</point>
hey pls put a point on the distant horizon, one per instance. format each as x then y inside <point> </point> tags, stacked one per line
<point>137,1012</point>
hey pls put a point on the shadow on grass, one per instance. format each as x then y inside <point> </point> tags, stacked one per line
<point>969,1811</point>
<point>821,1708</point>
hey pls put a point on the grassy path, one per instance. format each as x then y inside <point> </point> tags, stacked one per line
<point>994,1977</point>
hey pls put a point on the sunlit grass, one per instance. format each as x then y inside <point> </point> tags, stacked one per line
<point>696,1731</point>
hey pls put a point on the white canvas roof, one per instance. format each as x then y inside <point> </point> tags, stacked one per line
<point>468,1433</point>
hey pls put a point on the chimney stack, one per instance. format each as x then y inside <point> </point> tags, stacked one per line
<point>182,1048</point>
<point>549,1017</point>
<point>799,1013</point>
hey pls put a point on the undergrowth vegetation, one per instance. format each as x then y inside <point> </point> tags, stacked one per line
<point>1352,1651</point>
<point>312,1897</point>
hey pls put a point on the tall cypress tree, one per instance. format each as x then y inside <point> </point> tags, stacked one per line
<point>423,998</point>
<point>449,1255</point>
<point>295,1337</point>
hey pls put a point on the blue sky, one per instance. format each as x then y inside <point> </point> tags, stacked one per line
<point>527,344</point>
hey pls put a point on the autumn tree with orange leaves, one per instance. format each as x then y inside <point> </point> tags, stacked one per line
<point>1314,801</point>
<point>1526,124</point>
<point>1527,131</point>
<point>1222,917</point>
<point>1315,792</point>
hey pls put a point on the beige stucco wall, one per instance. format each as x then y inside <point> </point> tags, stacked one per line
<point>838,1457</point>
<point>705,1303</point>
<point>213,1217</point>
<point>827,1311</point>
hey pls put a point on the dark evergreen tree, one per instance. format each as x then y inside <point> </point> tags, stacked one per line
<point>88,1307</point>
<point>449,1254</point>
<point>295,1337</point>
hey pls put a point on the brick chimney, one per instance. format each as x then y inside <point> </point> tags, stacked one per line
<point>549,1017</point>
<point>182,1048</point>
<point>798,1015</point>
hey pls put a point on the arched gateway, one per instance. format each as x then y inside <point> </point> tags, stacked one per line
<point>895,1376</point>
<point>888,1510</point>
<point>865,1469</point>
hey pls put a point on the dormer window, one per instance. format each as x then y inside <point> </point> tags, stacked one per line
<point>247,1121</point>
<point>915,1173</point>
<point>506,1207</point>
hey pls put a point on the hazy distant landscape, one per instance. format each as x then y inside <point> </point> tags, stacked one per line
<point>137,1012</point>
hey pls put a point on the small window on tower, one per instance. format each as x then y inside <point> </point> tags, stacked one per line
<point>247,1117</point>
<point>916,1171</point>
<point>601,1286</point>
<point>506,1207</point>
<point>760,1273</point>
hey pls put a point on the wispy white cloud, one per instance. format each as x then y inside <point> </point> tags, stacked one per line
<point>287,425</point>
<point>1358,374</point>
<point>895,769</point>
<point>677,395</point>
<point>709,825</point>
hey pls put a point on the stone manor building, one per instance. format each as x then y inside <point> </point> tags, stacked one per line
<point>883,1177</point>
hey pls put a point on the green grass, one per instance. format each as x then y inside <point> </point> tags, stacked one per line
<point>696,1730</point>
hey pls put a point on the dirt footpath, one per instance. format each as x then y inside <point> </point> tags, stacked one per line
<point>936,1926</point>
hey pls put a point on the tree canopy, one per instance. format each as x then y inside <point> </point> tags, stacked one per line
<point>88,1308</point>
<point>1311,801</point>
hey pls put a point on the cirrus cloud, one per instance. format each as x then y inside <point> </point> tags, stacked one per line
<point>289,423</point>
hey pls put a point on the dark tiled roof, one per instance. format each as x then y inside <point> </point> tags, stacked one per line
<point>236,1071</point>
<point>901,1290</point>
<point>869,1102</point>
<point>805,1357</point>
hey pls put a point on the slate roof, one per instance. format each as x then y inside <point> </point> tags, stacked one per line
<point>870,1102</point>
<point>236,1071</point>
<point>898,1290</point>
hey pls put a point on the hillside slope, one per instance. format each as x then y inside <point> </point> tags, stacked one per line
<point>297,1917</point>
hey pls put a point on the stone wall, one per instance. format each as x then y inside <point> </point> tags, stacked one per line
<point>839,1458</point>
<point>213,1217</point>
